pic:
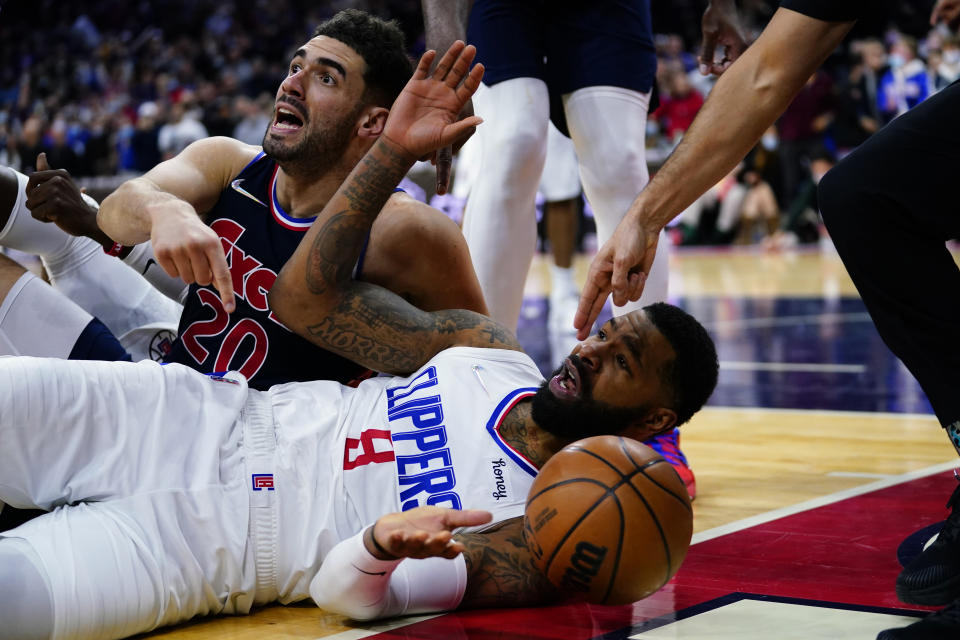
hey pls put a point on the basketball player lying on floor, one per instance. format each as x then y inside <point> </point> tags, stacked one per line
<point>339,87</point>
<point>256,205</point>
<point>178,494</point>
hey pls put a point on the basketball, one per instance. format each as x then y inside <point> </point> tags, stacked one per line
<point>608,519</point>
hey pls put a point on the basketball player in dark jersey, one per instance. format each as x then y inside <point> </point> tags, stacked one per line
<point>259,203</point>
<point>890,207</point>
<point>220,196</point>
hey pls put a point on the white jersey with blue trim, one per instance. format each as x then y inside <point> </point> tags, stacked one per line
<point>348,456</point>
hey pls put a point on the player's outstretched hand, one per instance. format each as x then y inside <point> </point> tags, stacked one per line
<point>52,196</point>
<point>422,532</point>
<point>721,28</point>
<point>188,249</point>
<point>620,267</point>
<point>424,117</point>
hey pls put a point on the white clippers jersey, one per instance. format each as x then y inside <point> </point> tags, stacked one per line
<point>393,444</point>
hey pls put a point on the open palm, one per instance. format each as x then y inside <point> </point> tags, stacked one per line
<point>424,116</point>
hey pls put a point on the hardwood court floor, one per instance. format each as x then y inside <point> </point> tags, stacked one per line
<point>810,404</point>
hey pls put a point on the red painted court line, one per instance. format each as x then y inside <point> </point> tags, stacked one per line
<point>844,552</point>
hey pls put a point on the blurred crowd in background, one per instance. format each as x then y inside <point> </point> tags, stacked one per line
<point>112,87</point>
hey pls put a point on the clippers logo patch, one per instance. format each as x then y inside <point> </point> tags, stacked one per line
<point>263,481</point>
<point>161,343</point>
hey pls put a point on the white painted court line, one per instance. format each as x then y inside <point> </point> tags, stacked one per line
<point>769,516</point>
<point>817,367</point>
<point>858,474</point>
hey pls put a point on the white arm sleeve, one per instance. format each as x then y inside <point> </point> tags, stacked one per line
<point>353,583</point>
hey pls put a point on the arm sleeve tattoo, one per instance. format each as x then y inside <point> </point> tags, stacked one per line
<point>500,570</point>
<point>361,321</point>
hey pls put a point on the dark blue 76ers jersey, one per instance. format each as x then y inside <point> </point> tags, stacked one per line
<point>258,238</point>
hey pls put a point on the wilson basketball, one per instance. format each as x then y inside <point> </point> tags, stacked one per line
<point>608,519</point>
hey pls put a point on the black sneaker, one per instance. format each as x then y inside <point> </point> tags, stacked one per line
<point>939,625</point>
<point>933,577</point>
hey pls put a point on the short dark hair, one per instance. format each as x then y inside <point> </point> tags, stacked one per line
<point>381,45</point>
<point>692,375</point>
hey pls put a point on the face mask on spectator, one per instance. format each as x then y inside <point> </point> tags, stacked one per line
<point>895,60</point>
<point>816,177</point>
<point>769,141</point>
<point>952,56</point>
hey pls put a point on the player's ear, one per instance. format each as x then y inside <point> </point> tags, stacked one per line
<point>372,121</point>
<point>654,422</point>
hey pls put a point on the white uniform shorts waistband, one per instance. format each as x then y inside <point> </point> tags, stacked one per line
<point>259,445</point>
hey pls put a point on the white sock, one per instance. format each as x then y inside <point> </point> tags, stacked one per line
<point>561,282</point>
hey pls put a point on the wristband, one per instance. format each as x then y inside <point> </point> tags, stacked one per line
<point>379,546</point>
<point>114,250</point>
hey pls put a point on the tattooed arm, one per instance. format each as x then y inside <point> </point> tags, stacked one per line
<point>409,563</point>
<point>500,571</point>
<point>315,296</point>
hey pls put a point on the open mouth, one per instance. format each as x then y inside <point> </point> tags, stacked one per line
<point>567,383</point>
<point>287,119</point>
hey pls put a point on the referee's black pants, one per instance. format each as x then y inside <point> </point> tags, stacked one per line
<point>890,206</point>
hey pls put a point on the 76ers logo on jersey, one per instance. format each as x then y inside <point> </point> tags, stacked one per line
<point>251,283</point>
<point>262,481</point>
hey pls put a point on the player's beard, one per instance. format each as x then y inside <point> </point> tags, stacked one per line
<point>582,417</point>
<point>316,152</point>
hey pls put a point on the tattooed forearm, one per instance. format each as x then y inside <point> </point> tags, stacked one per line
<point>500,571</point>
<point>372,183</point>
<point>382,331</point>
<point>340,238</point>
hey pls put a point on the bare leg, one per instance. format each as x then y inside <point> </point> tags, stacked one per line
<point>10,272</point>
<point>562,230</point>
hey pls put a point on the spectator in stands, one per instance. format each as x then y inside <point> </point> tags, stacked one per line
<point>181,130</point>
<point>59,152</point>
<point>678,104</point>
<point>949,68</point>
<point>30,143</point>
<point>801,221</point>
<point>857,114</point>
<point>904,85</point>
<point>801,128</point>
<point>144,144</point>
<point>253,120</point>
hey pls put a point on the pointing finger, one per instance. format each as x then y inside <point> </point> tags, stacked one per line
<point>221,277</point>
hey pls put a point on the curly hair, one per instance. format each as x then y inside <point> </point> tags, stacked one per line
<point>692,375</point>
<point>381,45</point>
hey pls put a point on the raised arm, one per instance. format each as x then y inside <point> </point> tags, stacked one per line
<point>163,206</point>
<point>315,296</point>
<point>746,100</point>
